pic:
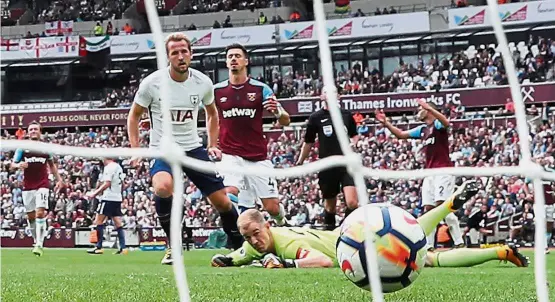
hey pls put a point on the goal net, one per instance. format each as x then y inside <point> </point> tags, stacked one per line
<point>170,152</point>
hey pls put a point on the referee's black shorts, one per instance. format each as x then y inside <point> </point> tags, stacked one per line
<point>331,181</point>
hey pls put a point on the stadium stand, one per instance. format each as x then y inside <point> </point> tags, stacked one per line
<point>180,15</point>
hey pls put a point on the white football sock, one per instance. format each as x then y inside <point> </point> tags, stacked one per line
<point>452,222</point>
<point>41,231</point>
<point>33,227</point>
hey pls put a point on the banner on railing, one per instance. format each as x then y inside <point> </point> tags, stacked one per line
<point>512,13</point>
<point>18,237</point>
<point>40,48</point>
<point>395,24</point>
<point>56,28</point>
<point>62,47</point>
<point>399,102</point>
<point>367,103</point>
<point>200,39</point>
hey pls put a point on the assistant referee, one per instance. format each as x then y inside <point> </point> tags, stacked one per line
<point>333,180</point>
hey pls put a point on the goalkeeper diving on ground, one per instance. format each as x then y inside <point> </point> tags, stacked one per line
<point>290,247</point>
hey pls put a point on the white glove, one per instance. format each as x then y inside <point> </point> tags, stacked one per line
<point>272,261</point>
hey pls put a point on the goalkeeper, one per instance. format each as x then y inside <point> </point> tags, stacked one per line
<point>289,247</point>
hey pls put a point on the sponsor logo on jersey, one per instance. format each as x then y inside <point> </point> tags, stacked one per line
<point>429,141</point>
<point>239,112</point>
<point>40,160</point>
<point>181,116</point>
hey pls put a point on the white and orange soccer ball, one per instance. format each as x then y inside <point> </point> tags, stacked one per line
<point>399,240</point>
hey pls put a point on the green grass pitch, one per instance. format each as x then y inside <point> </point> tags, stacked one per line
<point>72,275</point>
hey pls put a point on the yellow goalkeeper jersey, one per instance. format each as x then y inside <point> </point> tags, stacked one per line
<point>292,243</point>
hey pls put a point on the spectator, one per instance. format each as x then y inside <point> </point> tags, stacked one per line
<point>227,22</point>
<point>216,24</point>
<point>98,30</point>
<point>262,19</point>
<point>295,17</point>
<point>127,29</point>
<point>109,28</point>
<point>192,27</point>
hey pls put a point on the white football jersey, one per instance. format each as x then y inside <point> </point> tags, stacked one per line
<point>184,100</point>
<point>114,174</point>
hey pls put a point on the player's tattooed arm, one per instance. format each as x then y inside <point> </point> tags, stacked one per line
<point>283,116</point>
<point>273,106</point>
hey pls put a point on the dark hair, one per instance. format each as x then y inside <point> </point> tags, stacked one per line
<point>237,46</point>
<point>34,123</point>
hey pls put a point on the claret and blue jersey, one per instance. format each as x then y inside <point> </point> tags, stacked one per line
<point>435,138</point>
<point>240,109</point>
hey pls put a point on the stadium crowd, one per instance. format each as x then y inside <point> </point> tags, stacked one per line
<point>479,68</point>
<point>472,68</point>
<point>479,146</point>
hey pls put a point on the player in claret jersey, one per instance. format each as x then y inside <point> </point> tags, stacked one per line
<point>241,102</point>
<point>36,186</point>
<point>435,137</point>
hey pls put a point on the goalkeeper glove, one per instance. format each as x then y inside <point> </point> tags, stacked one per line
<point>220,260</point>
<point>272,261</point>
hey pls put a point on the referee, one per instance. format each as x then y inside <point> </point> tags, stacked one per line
<point>333,180</point>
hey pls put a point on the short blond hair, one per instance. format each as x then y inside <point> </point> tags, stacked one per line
<point>250,216</point>
<point>177,37</point>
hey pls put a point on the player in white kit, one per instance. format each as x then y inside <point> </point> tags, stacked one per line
<point>435,137</point>
<point>109,206</point>
<point>187,89</point>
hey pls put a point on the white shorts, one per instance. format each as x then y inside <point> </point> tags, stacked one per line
<point>549,212</point>
<point>260,186</point>
<point>437,188</point>
<point>34,199</point>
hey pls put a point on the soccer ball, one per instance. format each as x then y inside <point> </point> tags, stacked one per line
<point>399,240</point>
